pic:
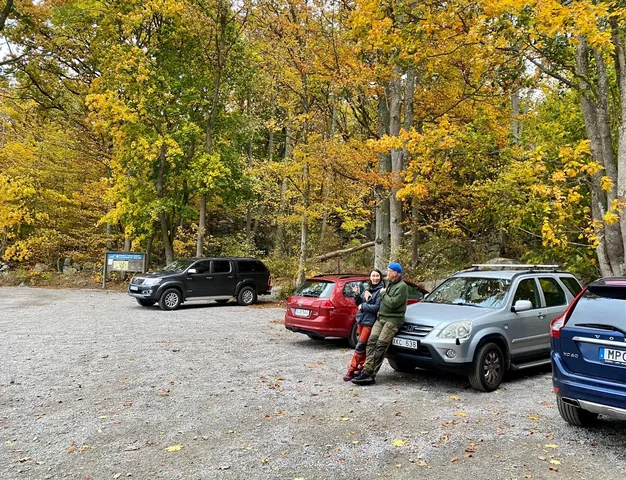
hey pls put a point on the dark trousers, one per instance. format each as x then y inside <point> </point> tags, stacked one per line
<point>378,343</point>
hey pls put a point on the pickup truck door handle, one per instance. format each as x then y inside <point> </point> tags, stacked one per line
<point>209,278</point>
<point>231,276</point>
<point>541,315</point>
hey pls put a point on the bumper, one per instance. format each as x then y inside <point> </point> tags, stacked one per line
<point>318,327</point>
<point>148,293</point>
<point>432,355</point>
<point>590,393</point>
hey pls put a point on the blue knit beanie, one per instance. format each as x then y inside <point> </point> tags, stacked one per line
<point>395,266</point>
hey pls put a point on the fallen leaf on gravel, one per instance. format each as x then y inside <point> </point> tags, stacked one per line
<point>116,476</point>
<point>174,448</point>
<point>72,445</point>
<point>554,469</point>
<point>454,459</point>
<point>528,475</point>
<point>264,460</point>
<point>468,455</point>
<point>23,460</point>
<point>355,442</point>
<point>454,397</point>
<point>460,414</point>
<point>555,462</point>
<point>471,448</point>
<point>399,414</point>
<point>534,417</point>
<point>131,448</point>
<point>551,445</point>
<point>223,467</point>
<point>449,424</point>
<point>398,443</point>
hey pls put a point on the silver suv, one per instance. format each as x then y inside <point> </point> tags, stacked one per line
<point>484,321</point>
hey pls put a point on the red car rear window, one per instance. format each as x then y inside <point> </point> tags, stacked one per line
<point>313,288</point>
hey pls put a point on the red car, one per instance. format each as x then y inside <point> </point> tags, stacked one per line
<point>323,306</point>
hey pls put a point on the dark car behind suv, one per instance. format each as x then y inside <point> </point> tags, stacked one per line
<point>217,279</point>
<point>589,354</point>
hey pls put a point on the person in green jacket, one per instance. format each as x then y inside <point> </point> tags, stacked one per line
<point>390,319</point>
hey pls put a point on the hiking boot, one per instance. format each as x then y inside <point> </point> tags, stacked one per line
<point>364,379</point>
<point>349,375</point>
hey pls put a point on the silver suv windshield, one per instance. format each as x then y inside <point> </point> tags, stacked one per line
<point>471,291</point>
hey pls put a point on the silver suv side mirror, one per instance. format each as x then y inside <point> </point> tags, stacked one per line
<point>522,306</point>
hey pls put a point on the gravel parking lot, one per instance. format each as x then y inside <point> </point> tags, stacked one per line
<point>93,386</point>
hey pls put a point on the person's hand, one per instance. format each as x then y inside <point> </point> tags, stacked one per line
<point>359,307</point>
<point>355,289</point>
<point>383,290</point>
<point>367,296</point>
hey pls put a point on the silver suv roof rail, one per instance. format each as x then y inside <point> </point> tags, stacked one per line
<point>503,266</point>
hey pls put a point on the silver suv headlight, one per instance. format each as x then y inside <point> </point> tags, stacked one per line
<point>152,281</point>
<point>460,329</point>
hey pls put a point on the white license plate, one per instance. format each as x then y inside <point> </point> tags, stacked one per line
<point>301,312</point>
<point>610,355</point>
<point>403,342</point>
<point>134,288</point>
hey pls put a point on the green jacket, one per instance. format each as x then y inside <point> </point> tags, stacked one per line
<point>393,304</point>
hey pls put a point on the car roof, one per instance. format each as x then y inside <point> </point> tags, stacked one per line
<point>336,276</point>
<point>506,274</point>
<point>609,282</point>
<point>194,259</point>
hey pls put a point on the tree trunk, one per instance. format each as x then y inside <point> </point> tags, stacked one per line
<point>381,250</point>
<point>280,241</point>
<point>598,132</point>
<point>201,226</point>
<point>165,227</point>
<point>395,205</point>
<point>516,129</point>
<point>620,67</point>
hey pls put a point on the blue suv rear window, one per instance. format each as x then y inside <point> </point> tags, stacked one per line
<point>604,305</point>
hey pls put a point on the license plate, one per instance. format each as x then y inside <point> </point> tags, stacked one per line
<point>403,342</point>
<point>134,288</point>
<point>610,355</point>
<point>301,312</point>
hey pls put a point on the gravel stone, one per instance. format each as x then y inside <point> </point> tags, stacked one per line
<point>93,386</point>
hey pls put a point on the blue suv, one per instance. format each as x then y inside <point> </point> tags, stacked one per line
<point>589,354</point>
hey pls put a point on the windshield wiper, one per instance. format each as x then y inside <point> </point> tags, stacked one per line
<point>601,326</point>
<point>467,304</point>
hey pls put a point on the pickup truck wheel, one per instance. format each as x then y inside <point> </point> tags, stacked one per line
<point>575,415</point>
<point>145,303</point>
<point>488,369</point>
<point>247,296</point>
<point>170,299</point>
<point>398,367</point>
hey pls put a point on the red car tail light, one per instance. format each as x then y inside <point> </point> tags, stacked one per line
<point>559,322</point>
<point>324,305</point>
<point>556,325</point>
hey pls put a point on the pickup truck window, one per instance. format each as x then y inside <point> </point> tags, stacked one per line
<point>202,267</point>
<point>221,266</point>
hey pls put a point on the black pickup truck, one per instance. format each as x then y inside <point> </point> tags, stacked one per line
<point>218,279</point>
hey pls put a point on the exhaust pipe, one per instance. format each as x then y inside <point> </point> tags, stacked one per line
<point>571,401</point>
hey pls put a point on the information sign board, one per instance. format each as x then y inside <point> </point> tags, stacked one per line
<point>123,262</point>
